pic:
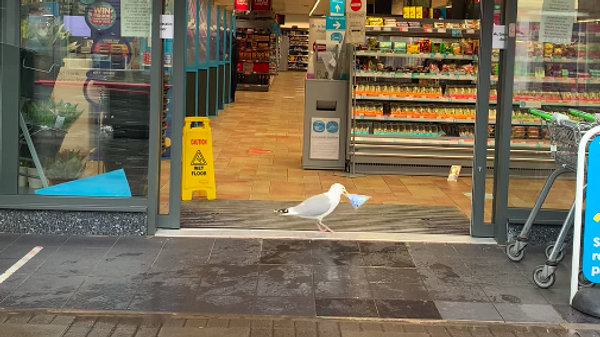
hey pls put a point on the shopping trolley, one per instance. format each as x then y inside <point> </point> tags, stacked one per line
<point>565,136</point>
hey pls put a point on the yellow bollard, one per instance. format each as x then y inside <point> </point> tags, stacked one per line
<point>198,170</point>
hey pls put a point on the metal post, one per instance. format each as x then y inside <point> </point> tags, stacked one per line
<point>178,112</point>
<point>10,84</point>
<point>504,123</point>
<point>482,107</point>
<point>155,122</point>
<point>352,143</point>
<point>34,156</point>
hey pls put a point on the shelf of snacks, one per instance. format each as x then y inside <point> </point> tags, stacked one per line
<point>298,48</point>
<point>568,70</point>
<point>401,53</point>
<point>422,27</point>
<point>434,114</point>
<point>467,94</point>
<point>255,58</point>
<point>457,76</point>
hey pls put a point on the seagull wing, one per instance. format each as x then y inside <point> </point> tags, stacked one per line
<point>313,207</point>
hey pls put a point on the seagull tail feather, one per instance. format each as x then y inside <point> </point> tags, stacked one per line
<point>285,211</point>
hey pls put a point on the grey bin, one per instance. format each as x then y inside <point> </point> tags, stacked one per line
<point>325,125</point>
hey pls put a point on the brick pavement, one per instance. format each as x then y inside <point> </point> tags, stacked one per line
<point>120,324</point>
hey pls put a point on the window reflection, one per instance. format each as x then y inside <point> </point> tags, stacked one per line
<point>86,104</point>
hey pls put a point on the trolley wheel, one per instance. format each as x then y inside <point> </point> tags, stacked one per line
<point>540,280</point>
<point>561,253</point>
<point>583,281</point>
<point>513,254</point>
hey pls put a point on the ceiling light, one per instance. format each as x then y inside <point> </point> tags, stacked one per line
<point>314,7</point>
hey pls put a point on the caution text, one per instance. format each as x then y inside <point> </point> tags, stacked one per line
<point>198,142</point>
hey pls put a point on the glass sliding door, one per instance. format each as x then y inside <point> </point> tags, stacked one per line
<point>553,73</point>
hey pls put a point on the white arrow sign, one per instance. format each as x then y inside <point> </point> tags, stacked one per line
<point>337,25</point>
<point>336,7</point>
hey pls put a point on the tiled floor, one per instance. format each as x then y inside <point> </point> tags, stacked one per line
<point>258,147</point>
<point>278,277</point>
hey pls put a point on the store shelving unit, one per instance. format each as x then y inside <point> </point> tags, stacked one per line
<point>298,48</point>
<point>414,101</point>
<point>275,53</point>
<point>254,67</point>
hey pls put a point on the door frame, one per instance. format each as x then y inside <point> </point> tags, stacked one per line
<point>171,220</point>
<point>479,228</point>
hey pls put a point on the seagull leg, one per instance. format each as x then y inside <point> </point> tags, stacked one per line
<point>321,229</point>
<point>322,225</point>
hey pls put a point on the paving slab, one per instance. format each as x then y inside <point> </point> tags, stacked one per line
<point>206,332</point>
<point>460,311</point>
<point>31,330</point>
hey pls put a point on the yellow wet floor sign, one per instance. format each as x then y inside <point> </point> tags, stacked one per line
<point>198,173</point>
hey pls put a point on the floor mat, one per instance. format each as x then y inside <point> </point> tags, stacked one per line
<point>374,218</point>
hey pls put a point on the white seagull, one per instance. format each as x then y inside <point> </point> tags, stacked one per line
<point>317,207</point>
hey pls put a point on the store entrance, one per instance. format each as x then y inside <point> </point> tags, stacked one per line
<point>258,152</point>
<point>421,155</point>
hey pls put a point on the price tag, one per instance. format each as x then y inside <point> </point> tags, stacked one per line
<point>377,28</point>
<point>428,30</point>
<point>442,30</point>
<point>404,29</point>
<point>387,29</point>
<point>470,31</point>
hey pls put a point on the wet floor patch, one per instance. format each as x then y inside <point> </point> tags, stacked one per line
<point>281,277</point>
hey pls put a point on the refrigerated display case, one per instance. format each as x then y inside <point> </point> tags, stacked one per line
<point>415,94</point>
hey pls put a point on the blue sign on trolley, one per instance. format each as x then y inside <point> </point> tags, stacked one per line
<point>336,7</point>
<point>591,230</point>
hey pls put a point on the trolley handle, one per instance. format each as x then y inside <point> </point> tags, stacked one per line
<point>541,114</point>
<point>562,119</point>
<point>582,114</point>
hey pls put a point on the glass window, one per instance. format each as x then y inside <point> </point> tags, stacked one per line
<point>213,32</point>
<point>556,70</point>
<point>191,33</point>
<point>85,100</point>
<point>203,33</point>
<point>228,18</point>
<point>222,34</point>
